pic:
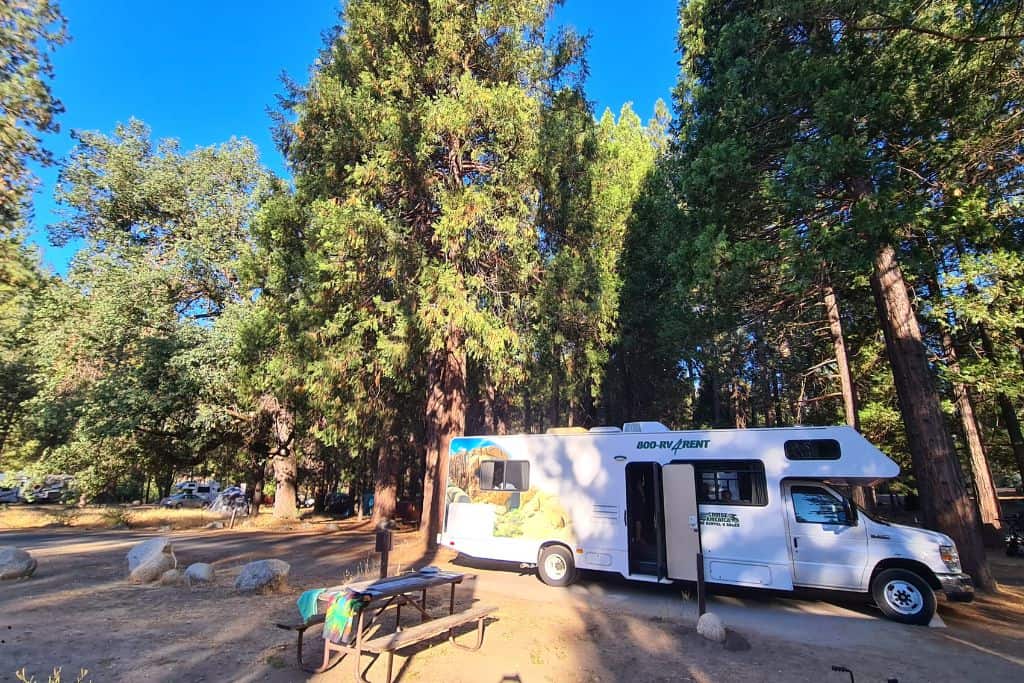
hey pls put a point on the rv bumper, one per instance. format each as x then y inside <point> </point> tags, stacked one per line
<point>957,587</point>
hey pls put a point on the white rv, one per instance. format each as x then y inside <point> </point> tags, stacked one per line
<point>629,501</point>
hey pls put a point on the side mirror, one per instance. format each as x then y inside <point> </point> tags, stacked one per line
<point>851,512</point>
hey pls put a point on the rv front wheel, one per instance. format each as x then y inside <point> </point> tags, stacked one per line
<point>555,566</point>
<point>904,596</point>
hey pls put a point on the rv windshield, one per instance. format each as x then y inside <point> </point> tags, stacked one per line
<point>873,516</point>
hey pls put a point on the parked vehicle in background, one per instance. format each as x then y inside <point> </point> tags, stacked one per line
<point>10,495</point>
<point>207,490</point>
<point>1015,535</point>
<point>231,499</point>
<point>54,489</point>
<point>340,504</point>
<point>183,500</point>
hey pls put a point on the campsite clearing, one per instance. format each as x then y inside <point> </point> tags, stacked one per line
<point>78,612</point>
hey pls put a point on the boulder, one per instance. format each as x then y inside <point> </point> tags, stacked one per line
<point>263,576</point>
<point>214,525</point>
<point>15,563</point>
<point>171,577</point>
<point>199,572</point>
<point>711,627</point>
<point>331,527</point>
<point>147,561</point>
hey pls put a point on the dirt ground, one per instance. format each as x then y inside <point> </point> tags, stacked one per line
<point>78,612</point>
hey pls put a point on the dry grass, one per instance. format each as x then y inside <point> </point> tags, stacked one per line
<point>34,517</point>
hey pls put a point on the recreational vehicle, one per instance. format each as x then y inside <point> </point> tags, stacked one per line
<point>760,506</point>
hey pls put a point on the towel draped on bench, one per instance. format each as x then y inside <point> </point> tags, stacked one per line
<point>339,622</point>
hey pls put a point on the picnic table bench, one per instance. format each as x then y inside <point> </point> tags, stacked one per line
<point>380,595</point>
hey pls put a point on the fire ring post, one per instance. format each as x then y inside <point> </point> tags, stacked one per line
<point>383,546</point>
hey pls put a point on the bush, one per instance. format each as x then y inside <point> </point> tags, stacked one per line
<point>115,517</point>
<point>66,517</point>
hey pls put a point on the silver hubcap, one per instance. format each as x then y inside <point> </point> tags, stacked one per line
<point>555,567</point>
<point>903,597</point>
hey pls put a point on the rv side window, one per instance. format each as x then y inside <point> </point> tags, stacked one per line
<point>812,449</point>
<point>504,475</point>
<point>813,505</point>
<point>731,482</point>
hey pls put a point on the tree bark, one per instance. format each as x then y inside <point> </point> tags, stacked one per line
<point>385,494</point>
<point>944,500</point>
<point>864,496</point>
<point>445,419</point>
<point>988,500</point>
<point>1006,409</point>
<point>285,462</point>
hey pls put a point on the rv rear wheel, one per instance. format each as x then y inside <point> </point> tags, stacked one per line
<point>555,566</point>
<point>903,596</point>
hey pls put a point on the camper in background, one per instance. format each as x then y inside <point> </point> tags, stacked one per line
<point>760,504</point>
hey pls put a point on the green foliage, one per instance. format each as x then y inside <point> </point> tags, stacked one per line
<point>128,357</point>
<point>29,31</point>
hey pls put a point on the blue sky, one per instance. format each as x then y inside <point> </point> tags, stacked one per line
<point>203,71</point>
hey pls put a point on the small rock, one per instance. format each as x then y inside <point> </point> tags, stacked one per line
<point>147,561</point>
<point>214,525</point>
<point>199,572</point>
<point>263,576</point>
<point>171,577</point>
<point>331,527</point>
<point>734,642</point>
<point>165,528</point>
<point>15,563</point>
<point>711,627</point>
<point>136,503</point>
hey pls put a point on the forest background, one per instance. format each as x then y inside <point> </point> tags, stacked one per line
<point>824,226</point>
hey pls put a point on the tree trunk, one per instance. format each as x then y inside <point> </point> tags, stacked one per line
<point>864,496</point>
<point>285,463</point>
<point>257,489</point>
<point>445,419</point>
<point>738,399</point>
<point>944,500</point>
<point>988,500</point>
<point>385,494</point>
<point>1006,409</point>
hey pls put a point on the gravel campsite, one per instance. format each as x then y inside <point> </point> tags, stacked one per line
<point>79,611</point>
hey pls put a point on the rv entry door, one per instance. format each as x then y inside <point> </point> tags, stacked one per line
<point>682,529</point>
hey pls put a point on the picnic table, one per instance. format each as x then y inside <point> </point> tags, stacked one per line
<point>377,597</point>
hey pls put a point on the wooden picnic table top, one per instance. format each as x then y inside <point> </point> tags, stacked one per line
<point>377,589</point>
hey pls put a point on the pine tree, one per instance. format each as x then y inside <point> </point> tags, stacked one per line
<point>834,116</point>
<point>29,30</point>
<point>419,134</point>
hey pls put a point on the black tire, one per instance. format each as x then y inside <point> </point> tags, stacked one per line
<point>904,596</point>
<point>555,566</point>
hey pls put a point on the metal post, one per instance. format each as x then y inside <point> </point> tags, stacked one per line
<point>701,596</point>
<point>384,542</point>
<point>384,562</point>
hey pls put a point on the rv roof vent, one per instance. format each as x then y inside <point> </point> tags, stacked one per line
<point>566,430</point>
<point>605,430</point>
<point>644,427</point>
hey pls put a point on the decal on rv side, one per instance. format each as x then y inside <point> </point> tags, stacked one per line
<point>674,446</point>
<point>719,519</point>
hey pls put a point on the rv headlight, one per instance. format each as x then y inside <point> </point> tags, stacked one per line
<point>950,557</point>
